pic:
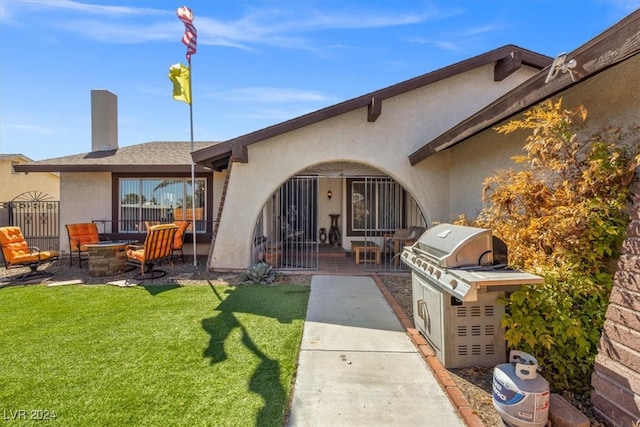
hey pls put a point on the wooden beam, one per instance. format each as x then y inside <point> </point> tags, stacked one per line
<point>374,109</point>
<point>239,153</point>
<point>507,66</point>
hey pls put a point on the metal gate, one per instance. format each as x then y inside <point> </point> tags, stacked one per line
<point>285,234</point>
<point>38,216</point>
<point>390,219</point>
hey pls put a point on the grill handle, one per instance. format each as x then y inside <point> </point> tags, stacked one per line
<point>416,250</point>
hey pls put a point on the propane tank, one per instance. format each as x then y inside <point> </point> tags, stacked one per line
<point>520,395</point>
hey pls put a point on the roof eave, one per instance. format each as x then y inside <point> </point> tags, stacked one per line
<point>163,169</point>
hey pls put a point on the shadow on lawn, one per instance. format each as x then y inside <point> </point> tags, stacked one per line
<point>265,380</point>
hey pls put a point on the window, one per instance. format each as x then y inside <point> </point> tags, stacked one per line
<point>158,199</point>
<point>376,205</point>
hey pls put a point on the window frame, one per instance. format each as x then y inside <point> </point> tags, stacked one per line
<point>376,181</point>
<point>208,194</point>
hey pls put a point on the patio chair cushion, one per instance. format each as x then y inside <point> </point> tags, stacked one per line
<point>178,239</point>
<point>81,234</point>
<point>158,246</point>
<point>17,253</point>
<point>16,250</point>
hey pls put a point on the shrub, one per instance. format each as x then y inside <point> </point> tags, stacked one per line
<point>260,274</point>
<point>562,215</point>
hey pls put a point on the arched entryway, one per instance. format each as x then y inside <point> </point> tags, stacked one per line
<point>333,210</point>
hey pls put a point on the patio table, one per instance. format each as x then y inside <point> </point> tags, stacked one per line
<point>361,247</point>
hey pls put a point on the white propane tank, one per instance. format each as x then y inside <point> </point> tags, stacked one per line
<point>520,395</point>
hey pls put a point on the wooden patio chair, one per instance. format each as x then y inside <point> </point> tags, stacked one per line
<point>80,235</point>
<point>17,253</point>
<point>178,240</point>
<point>158,247</point>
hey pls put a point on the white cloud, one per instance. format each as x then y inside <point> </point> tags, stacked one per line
<point>257,27</point>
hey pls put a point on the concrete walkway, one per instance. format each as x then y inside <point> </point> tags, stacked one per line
<point>357,366</point>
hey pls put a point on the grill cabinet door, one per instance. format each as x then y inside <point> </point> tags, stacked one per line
<point>428,312</point>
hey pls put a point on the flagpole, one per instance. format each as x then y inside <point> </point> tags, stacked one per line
<point>193,171</point>
<point>190,40</point>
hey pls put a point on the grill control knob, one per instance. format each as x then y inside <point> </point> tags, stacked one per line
<point>453,283</point>
<point>430,269</point>
<point>438,273</point>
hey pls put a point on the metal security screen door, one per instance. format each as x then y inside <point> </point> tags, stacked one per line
<point>387,218</point>
<point>285,234</point>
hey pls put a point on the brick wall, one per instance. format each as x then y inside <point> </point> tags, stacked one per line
<point>616,378</point>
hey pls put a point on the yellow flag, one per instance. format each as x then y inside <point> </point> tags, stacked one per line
<point>179,76</point>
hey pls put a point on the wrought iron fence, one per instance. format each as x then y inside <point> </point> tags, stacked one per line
<point>38,216</point>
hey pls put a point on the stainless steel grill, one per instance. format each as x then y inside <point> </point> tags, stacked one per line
<point>458,275</point>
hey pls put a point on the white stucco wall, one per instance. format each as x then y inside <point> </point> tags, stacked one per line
<point>84,197</point>
<point>611,98</point>
<point>407,122</point>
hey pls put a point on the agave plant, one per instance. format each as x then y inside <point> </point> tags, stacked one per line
<point>260,273</point>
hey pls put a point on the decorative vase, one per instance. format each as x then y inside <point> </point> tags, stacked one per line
<point>323,235</point>
<point>334,232</point>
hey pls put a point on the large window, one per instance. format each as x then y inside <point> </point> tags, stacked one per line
<point>164,200</point>
<point>376,205</point>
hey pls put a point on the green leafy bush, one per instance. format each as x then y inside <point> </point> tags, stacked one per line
<point>562,215</point>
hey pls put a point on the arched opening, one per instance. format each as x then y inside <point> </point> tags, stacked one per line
<point>340,213</point>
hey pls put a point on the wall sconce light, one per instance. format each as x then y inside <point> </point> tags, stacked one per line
<point>329,194</point>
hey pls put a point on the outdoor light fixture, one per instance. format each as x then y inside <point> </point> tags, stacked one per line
<point>561,65</point>
<point>329,194</point>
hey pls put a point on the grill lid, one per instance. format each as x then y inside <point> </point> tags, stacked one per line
<point>456,246</point>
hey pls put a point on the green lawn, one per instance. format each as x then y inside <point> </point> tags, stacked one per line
<point>150,355</point>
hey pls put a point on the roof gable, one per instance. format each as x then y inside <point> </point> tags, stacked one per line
<point>618,43</point>
<point>507,58</point>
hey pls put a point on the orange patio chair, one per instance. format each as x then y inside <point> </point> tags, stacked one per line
<point>17,253</point>
<point>80,235</point>
<point>158,247</point>
<point>178,240</point>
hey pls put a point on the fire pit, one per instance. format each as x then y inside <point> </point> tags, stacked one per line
<point>107,258</point>
<point>458,274</point>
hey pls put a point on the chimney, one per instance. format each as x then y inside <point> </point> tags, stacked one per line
<point>104,120</point>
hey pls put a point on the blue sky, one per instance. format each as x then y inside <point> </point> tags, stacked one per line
<point>258,62</point>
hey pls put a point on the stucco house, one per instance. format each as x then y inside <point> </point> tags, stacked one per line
<point>18,188</point>
<point>276,193</point>
<point>397,159</point>
<point>15,183</point>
